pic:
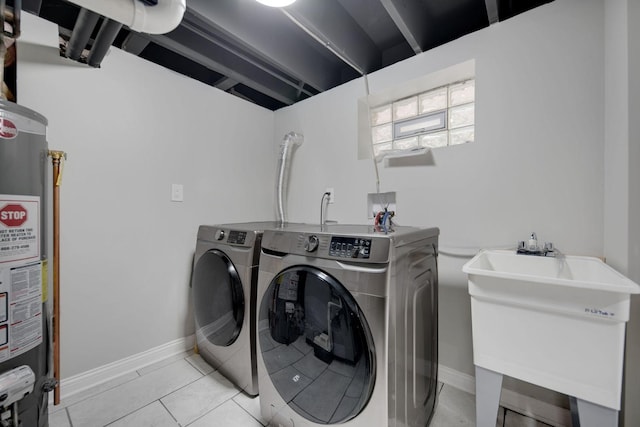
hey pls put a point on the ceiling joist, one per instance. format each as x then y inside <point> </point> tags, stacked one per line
<point>492,11</point>
<point>333,28</point>
<point>266,34</point>
<point>278,56</point>
<point>225,64</point>
<point>409,17</point>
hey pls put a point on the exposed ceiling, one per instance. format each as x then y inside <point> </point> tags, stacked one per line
<point>276,57</point>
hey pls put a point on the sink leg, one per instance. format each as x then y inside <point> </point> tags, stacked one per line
<point>592,415</point>
<point>488,388</point>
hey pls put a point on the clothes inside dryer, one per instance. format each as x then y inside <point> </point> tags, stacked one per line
<point>318,349</point>
<point>218,298</point>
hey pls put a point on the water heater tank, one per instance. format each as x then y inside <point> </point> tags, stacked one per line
<point>24,245</point>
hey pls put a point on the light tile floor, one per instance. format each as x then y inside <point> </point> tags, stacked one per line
<point>184,391</point>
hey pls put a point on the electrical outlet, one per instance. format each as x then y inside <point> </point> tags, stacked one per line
<point>331,194</point>
<point>177,193</point>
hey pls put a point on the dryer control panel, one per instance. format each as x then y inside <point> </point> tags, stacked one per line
<point>350,247</point>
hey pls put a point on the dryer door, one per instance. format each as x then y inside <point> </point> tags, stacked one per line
<point>318,349</point>
<point>218,298</point>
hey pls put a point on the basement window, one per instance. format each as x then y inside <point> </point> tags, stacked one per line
<point>437,109</point>
<point>438,117</point>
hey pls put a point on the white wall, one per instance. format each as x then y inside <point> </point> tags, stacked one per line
<point>616,154</point>
<point>536,164</point>
<point>622,176</point>
<point>131,128</point>
<point>632,382</point>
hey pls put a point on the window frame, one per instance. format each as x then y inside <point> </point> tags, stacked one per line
<point>387,90</point>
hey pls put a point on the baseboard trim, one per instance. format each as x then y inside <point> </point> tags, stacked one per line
<point>525,405</point>
<point>86,380</point>
<point>457,379</point>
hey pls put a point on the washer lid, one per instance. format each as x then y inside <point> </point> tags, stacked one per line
<point>318,349</point>
<point>218,298</point>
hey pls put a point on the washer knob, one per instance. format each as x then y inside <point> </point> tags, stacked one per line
<point>311,244</point>
<point>219,234</point>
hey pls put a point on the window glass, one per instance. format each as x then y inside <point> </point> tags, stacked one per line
<point>462,115</point>
<point>405,143</point>
<point>419,125</point>
<point>381,115</point>
<point>218,299</point>
<point>405,108</point>
<point>317,348</point>
<point>461,135</point>
<point>378,149</point>
<point>433,100</point>
<point>382,133</point>
<point>462,93</point>
<point>437,118</point>
<point>434,140</point>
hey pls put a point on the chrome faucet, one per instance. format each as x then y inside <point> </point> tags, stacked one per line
<point>531,247</point>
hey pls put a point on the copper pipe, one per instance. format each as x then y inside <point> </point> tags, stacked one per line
<point>56,157</point>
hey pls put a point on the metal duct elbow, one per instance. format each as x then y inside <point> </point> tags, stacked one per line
<point>290,141</point>
<point>156,19</point>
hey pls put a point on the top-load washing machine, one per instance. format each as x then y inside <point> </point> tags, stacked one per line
<point>347,326</point>
<point>225,274</point>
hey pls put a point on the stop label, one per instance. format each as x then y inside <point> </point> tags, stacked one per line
<point>13,215</point>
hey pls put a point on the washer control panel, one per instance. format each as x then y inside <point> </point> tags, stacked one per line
<point>350,247</point>
<point>237,237</point>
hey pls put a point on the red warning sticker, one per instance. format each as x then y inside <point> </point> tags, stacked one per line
<point>8,129</point>
<point>13,215</point>
<point>19,229</point>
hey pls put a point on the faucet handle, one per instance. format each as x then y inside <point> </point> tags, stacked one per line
<point>549,250</point>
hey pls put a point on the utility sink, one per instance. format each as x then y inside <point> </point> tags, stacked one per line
<point>557,322</point>
<point>573,271</point>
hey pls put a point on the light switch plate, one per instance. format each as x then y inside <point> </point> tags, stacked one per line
<point>177,193</point>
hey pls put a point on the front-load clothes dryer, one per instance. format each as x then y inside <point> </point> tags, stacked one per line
<point>223,284</point>
<point>347,326</point>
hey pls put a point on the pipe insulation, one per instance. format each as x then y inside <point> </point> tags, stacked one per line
<point>289,143</point>
<point>106,35</point>
<point>151,19</point>
<point>86,22</point>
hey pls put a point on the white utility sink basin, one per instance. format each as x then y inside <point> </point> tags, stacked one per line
<point>574,271</point>
<point>555,322</point>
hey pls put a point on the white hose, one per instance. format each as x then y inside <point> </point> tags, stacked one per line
<point>291,140</point>
<point>467,252</point>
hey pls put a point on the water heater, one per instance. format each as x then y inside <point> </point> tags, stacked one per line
<point>23,253</point>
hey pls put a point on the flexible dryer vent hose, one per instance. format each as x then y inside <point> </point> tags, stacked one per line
<point>289,143</point>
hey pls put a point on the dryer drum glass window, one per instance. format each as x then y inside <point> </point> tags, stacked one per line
<point>318,349</point>
<point>218,298</point>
